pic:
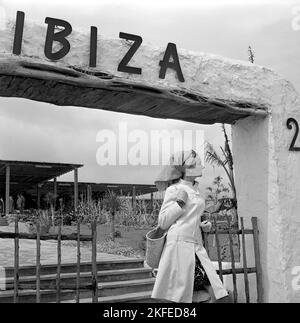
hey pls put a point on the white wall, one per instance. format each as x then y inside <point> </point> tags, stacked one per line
<point>268,187</point>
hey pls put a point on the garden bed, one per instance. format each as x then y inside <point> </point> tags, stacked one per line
<point>129,242</point>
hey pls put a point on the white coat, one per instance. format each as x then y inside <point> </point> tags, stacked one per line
<point>175,276</point>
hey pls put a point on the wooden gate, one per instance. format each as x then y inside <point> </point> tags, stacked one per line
<point>245,270</point>
<point>92,285</point>
<point>17,285</point>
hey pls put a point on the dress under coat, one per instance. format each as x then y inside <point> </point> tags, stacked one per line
<point>175,276</point>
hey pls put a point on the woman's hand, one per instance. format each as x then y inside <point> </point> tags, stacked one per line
<point>205,226</point>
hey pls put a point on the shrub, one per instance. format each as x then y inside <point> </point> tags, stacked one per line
<point>43,218</point>
<point>89,211</point>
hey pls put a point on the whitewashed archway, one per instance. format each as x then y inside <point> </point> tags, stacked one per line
<point>255,100</point>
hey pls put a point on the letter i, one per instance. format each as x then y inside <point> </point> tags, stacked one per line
<point>93,47</point>
<point>18,33</point>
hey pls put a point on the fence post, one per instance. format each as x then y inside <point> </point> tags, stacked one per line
<point>245,263</point>
<point>259,285</point>
<point>78,261</point>
<point>218,249</point>
<point>38,262</point>
<point>94,261</point>
<point>235,296</point>
<point>58,289</point>
<point>16,261</point>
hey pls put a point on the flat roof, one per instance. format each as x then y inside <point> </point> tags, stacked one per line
<point>27,174</point>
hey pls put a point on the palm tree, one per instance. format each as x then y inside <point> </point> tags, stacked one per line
<point>112,203</point>
<point>225,160</point>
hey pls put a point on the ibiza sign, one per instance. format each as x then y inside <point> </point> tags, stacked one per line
<point>58,31</point>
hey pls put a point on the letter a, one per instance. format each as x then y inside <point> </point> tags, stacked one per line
<point>171,51</point>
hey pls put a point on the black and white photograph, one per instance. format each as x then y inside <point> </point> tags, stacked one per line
<point>149,154</point>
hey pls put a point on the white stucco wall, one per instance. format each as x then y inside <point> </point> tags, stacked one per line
<point>268,187</point>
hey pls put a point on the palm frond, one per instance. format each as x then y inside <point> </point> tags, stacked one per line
<point>225,155</point>
<point>212,157</point>
<point>224,160</point>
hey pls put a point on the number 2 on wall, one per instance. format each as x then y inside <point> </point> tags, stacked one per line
<point>289,123</point>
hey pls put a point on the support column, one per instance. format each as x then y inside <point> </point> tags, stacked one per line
<point>7,190</point>
<point>55,191</point>
<point>75,189</point>
<point>267,177</point>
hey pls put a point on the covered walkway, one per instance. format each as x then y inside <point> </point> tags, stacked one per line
<point>19,176</point>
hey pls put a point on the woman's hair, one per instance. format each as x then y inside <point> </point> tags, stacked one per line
<point>174,181</point>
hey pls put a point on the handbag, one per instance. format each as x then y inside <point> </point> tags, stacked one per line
<point>155,241</point>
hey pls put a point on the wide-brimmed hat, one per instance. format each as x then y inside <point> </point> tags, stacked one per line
<point>181,163</point>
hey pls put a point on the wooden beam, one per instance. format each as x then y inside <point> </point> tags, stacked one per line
<point>73,236</point>
<point>38,261</point>
<point>259,281</point>
<point>246,280</point>
<point>232,231</point>
<point>94,262</point>
<point>78,262</point>
<point>37,164</point>
<point>58,273</point>
<point>121,94</point>
<point>250,270</point>
<point>218,249</point>
<point>16,260</point>
<point>235,293</point>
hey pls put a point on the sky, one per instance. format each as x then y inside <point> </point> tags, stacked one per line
<point>37,131</point>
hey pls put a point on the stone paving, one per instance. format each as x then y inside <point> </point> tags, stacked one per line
<point>48,253</point>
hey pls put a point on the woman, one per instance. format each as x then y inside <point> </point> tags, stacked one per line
<point>184,265</point>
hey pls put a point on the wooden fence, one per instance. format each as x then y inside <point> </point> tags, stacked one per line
<point>93,285</point>
<point>245,270</point>
<point>17,286</point>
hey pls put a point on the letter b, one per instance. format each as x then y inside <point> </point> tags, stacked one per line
<point>59,37</point>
